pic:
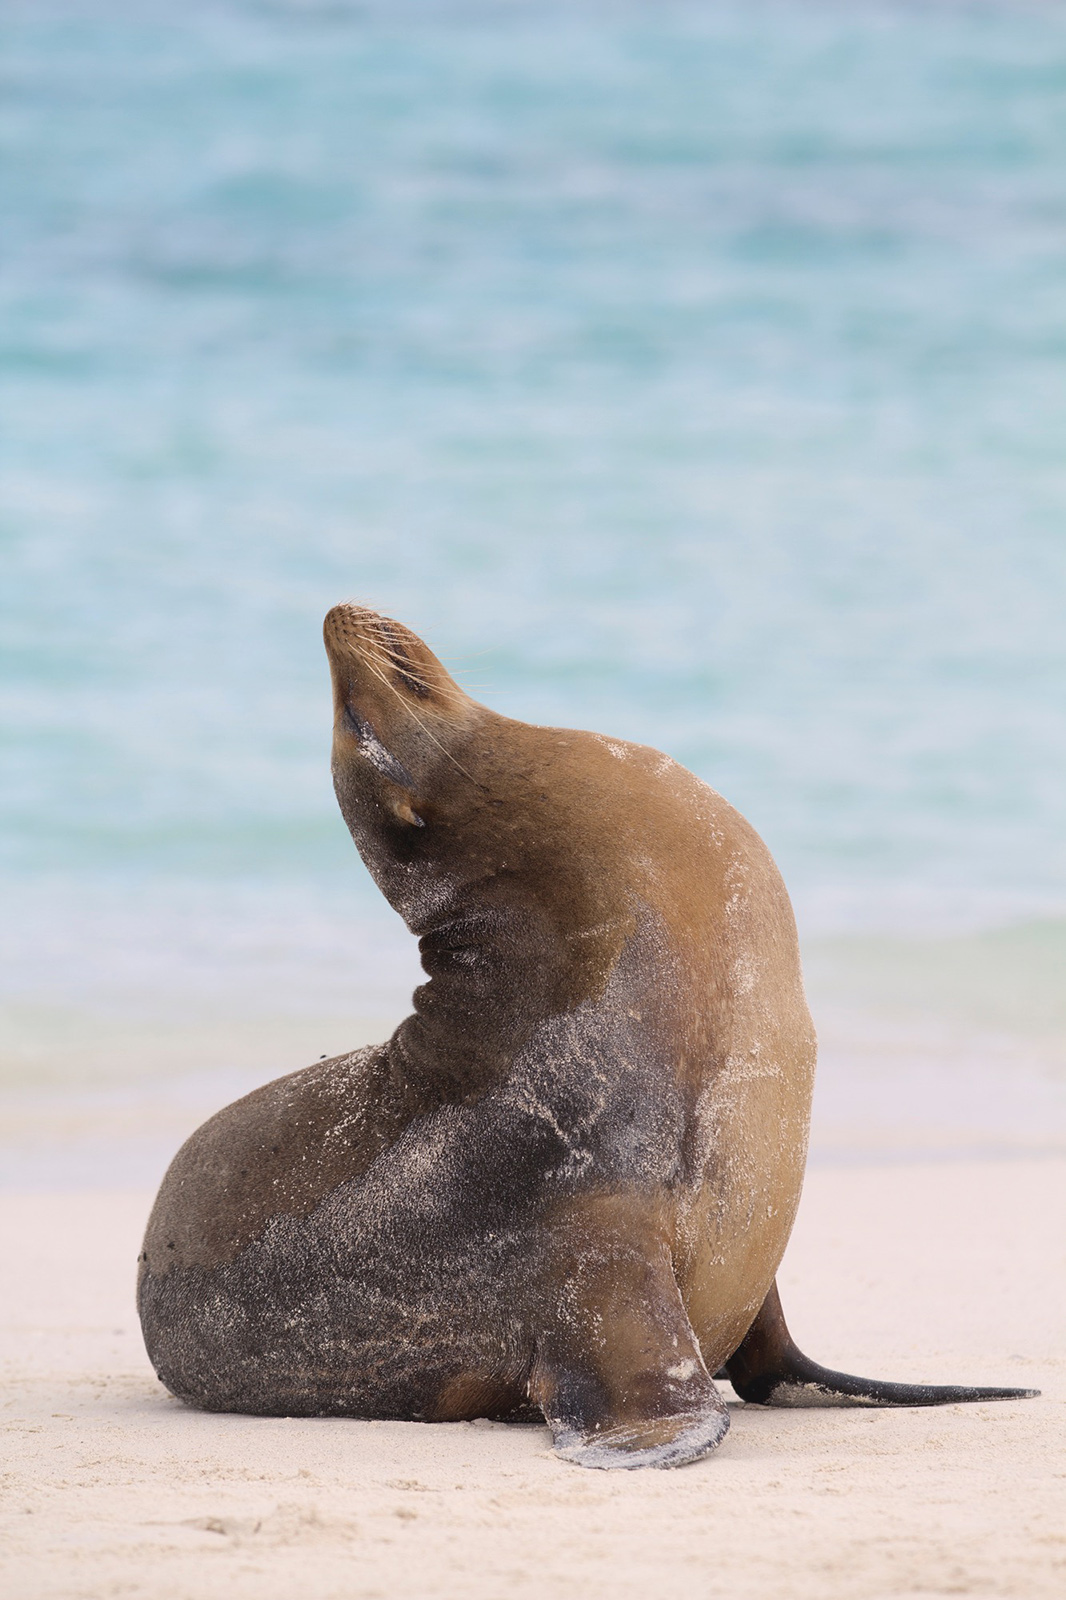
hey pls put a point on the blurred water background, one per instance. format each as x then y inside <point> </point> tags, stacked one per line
<point>691,371</point>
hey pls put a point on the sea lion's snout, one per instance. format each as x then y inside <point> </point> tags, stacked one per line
<point>370,654</point>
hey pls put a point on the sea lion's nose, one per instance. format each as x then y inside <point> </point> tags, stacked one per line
<point>340,630</point>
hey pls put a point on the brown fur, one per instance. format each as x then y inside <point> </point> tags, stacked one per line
<point>568,1178</point>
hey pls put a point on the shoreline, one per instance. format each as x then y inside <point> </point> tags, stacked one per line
<point>882,1096</point>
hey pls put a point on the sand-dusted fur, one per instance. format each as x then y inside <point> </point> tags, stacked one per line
<point>565,1184</point>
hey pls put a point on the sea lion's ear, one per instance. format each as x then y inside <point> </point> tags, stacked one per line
<point>401,807</point>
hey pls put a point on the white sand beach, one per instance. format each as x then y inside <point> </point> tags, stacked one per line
<point>952,1271</point>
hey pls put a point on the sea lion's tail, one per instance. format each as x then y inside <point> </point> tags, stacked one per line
<point>768,1369</point>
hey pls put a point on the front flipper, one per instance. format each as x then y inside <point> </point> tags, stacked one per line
<point>618,1372</point>
<point>769,1370</point>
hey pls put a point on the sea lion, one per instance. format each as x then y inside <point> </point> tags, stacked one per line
<point>564,1186</point>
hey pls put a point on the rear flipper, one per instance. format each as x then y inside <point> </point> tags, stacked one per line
<point>618,1372</point>
<point>769,1370</point>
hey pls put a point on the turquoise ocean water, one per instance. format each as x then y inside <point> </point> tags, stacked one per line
<point>695,372</point>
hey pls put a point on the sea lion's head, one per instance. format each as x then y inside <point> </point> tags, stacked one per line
<point>397,714</point>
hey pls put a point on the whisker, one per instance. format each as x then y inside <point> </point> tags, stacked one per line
<point>429,734</point>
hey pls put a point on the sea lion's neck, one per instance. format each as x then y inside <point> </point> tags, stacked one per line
<point>492,978</point>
